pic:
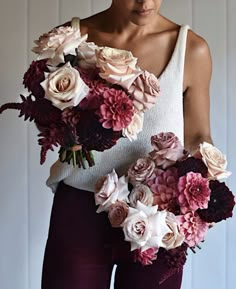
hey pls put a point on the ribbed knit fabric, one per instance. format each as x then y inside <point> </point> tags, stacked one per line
<point>165,116</point>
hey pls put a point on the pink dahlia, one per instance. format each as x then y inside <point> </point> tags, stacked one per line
<point>117,111</point>
<point>163,184</point>
<point>146,257</point>
<point>193,228</point>
<point>194,192</point>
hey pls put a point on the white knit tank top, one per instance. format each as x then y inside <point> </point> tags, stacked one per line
<point>165,116</point>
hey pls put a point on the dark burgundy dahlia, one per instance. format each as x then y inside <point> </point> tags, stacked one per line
<point>221,204</point>
<point>191,164</point>
<point>92,135</point>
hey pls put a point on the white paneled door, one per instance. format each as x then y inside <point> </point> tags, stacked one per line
<point>25,201</point>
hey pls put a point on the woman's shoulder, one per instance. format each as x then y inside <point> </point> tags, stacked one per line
<point>197,50</point>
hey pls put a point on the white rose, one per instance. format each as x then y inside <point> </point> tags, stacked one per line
<point>64,87</point>
<point>173,238</point>
<point>117,66</point>
<point>87,55</point>
<point>214,160</point>
<point>141,193</point>
<point>109,189</point>
<point>57,43</point>
<point>135,126</point>
<point>136,229</point>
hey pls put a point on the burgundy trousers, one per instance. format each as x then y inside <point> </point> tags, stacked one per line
<point>82,249</point>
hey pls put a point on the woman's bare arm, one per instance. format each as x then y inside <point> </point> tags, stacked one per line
<point>198,70</point>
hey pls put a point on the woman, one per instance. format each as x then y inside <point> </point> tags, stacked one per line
<point>82,248</point>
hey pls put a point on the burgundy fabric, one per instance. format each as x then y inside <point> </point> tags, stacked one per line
<point>82,249</point>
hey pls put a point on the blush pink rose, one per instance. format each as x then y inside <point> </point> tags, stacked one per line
<point>86,54</point>
<point>117,213</point>
<point>117,111</point>
<point>64,87</point>
<point>193,228</point>
<point>145,257</point>
<point>214,160</point>
<point>167,149</point>
<point>144,91</point>
<point>141,170</point>
<point>109,189</point>
<point>194,192</point>
<point>117,66</point>
<point>174,238</point>
<point>135,126</point>
<point>57,43</point>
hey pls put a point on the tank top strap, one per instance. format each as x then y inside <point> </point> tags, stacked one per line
<point>75,23</point>
<point>179,55</point>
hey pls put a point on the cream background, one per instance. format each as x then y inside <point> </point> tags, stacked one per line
<point>25,201</point>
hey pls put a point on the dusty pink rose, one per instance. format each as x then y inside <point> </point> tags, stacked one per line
<point>214,160</point>
<point>145,257</point>
<point>144,91</point>
<point>117,213</point>
<point>141,170</point>
<point>193,228</point>
<point>116,112</point>
<point>57,43</point>
<point>141,193</point>
<point>194,192</point>
<point>167,149</point>
<point>163,184</point>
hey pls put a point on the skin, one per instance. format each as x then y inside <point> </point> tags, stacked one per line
<point>139,27</point>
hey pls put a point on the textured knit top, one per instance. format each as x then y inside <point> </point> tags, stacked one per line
<point>165,116</point>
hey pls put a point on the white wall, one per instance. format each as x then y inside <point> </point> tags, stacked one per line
<point>25,201</point>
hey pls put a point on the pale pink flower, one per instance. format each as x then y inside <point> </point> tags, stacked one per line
<point>145,257</point>
<point>144,91</point>
<point>193,228</point>
<point>163,184</point>
<point>145,227</point>
<point>117,66</point>
<point>135,126</point>
<point>64,87</point>
<point>116,112</point>
<point>57,43</point>
<point>86,54</point>
<point>174,238</point>
<point>117,213</point>
<point>167,149</point>
<point>109,189</point>
<point>141,170</point>
<point>214,160</point>
<point>194,192</point>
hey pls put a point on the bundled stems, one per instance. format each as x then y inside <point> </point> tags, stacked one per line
<point>78,158</point>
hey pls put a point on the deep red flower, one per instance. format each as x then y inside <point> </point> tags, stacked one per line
<point>221,203</point>
<point>93,135</point>
<point>191,164</point>
<point>34,76</point>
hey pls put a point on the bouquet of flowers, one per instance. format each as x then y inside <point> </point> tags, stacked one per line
<point>83,97</point>
<point>168,200</point>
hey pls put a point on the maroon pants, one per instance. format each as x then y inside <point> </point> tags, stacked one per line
<point>82,249</point>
